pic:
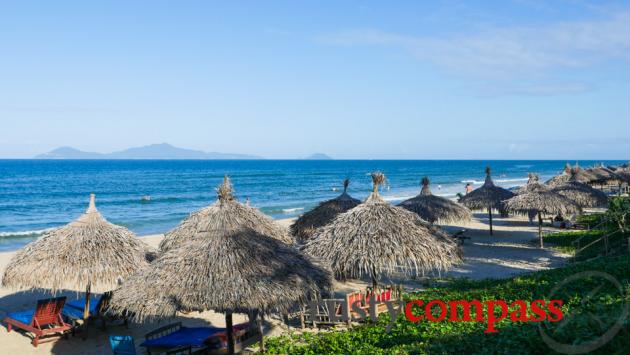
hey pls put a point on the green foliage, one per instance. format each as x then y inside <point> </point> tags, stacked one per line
<point>587,244</point>
<point>618,214</point>
<point>590,220</point>
<point>469,337</point>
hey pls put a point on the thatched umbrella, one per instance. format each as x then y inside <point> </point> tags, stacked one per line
<point>577,173</point>
<point>541,200</point>
<point>433,208</point>
<point>533,182</point>
<point>225,214</point>
<point>375,237</point>
<point>602,175</point>
<point>88,252</point>
<point>304,227</point>
<point>582,194</point>
<point>226,268</point>
<point>488,196</point>
<point>560,178</point>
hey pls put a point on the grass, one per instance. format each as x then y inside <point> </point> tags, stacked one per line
<point>567,242</point>
<point>590,220</point>
<point>469,337</point>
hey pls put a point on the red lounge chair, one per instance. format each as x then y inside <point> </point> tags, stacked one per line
<point>46,319</point>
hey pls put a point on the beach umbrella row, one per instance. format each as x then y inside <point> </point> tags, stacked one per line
<point>582,194</point>
<point>376,238</point>
<point>598,175</point>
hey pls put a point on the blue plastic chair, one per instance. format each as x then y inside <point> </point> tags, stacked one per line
<point>122,344</point>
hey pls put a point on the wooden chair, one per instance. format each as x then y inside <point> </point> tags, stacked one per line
<point>45,320</point>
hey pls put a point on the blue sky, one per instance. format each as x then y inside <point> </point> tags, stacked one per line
<point>354,79</point>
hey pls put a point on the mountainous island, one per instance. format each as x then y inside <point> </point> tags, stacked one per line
<point>153,151</point>
<point>318,156</point>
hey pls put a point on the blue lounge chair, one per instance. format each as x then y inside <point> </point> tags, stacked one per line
<point>73,310</point>
<point>177,339</point>
<point>122,345</point>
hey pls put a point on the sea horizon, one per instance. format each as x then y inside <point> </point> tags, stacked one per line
<point>40,194</point>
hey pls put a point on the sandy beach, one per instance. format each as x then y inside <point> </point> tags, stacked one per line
<point>512,250</point>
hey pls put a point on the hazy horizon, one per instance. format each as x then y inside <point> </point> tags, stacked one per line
<point>307,157</point>
<point>457,80</point>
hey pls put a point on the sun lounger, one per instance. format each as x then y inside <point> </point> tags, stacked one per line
<point>177,339</point>
<point>122,345</point>
<point>44,320</point>
<point>74,309</point>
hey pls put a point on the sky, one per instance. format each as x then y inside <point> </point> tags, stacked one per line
<point>502,79</point>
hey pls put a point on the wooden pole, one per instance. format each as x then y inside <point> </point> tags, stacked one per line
<point>540,230</point>
<point>260,330</point>
<point>86,309</point>
<point>374,282</point>
<point>230,332</point>
<point>490,218</point>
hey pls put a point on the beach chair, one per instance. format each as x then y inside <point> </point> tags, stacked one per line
<point>380,296</point>
<point>122,345</point>
<point>44,320</point>
<point>244,336</point>
<point>177,339</point>
<point>73,310</point>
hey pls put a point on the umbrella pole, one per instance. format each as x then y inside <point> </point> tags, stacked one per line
<point>490,218</point>
<point>540,229</point>
<point>374,282</point>
<point>230,332</point>
<point>260,330</point>
<point>86,309</point>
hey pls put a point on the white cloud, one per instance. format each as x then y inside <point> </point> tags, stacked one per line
<point>508,52</point>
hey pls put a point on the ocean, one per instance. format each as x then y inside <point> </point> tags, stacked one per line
<point>36,195</point>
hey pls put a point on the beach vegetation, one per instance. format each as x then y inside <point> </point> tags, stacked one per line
<point>579,327</point>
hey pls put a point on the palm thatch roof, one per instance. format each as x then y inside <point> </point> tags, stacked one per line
<point>304,227</point>
<point>226,214</point>
<point>488,195</point>
<point>87,251</point>
<point>580,193</point>
<point>543,201</point>
<point>435,208</point>
<point>623,174</point>
<point>376,238</point>
<point>227,271</point>
<point>533,183</point>
<point>603,175</point>
<point>577,173</point>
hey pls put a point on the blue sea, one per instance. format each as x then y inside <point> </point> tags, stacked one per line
<point>36,195</point>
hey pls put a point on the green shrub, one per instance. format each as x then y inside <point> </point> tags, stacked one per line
<point>469,337</point>
<point>590,220</point>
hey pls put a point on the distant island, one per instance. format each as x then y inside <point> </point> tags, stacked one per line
<point>318,156</point>
<point>153,151</point>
